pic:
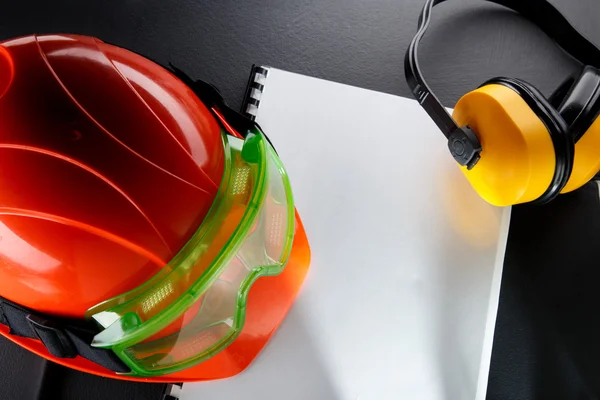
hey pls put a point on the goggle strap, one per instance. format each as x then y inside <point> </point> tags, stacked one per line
<point>62,339</point>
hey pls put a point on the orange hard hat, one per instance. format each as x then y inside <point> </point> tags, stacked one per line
<point>109,164</point>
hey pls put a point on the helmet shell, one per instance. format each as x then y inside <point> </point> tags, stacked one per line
<point>108,164</point>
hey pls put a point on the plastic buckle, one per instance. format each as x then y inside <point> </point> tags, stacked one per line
<point>52,336</point>
<point>173,391</point>
<point>464,147</point>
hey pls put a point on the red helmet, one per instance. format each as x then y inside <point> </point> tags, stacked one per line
<point>109,164</point>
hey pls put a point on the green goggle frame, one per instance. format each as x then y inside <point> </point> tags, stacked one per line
<point>196,305</point>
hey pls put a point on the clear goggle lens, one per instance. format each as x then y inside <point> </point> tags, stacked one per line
<point>195,307</point>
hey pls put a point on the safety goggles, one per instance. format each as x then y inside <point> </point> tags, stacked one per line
<point>196,306</point>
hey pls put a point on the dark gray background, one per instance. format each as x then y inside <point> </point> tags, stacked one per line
<point>356,42</point>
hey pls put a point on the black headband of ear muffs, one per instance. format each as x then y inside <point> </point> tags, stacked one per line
<point>462,142</point>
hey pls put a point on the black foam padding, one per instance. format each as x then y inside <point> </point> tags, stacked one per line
<point>580,104</point>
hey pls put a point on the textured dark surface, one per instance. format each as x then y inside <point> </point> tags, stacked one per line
<point>357,42</point>
<point>542,350</point>
<point>546,343</point>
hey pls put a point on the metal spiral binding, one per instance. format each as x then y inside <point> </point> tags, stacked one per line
<point>254,90</point>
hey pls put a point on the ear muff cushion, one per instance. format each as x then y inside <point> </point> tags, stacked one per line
<point>557,128</point>
<point>558,96</point>
<point>580,104</point>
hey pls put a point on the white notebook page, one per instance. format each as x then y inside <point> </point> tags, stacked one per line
<point>401,298</point>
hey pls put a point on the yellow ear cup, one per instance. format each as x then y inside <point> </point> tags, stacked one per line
<point>586,162</point>
<point>517,161</point>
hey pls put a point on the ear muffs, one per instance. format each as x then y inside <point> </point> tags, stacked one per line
<point>515,144</point>
<point>578,102</point>
<point>558,129</point>
<point>527,153</point>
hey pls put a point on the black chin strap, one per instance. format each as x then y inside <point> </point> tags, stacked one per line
<point>462,142</point>
<point>63,339</point>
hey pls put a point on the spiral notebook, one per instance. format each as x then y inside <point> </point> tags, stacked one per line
<point>402,295</point>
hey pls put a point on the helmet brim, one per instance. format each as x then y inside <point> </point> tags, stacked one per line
<point>269,300</point>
